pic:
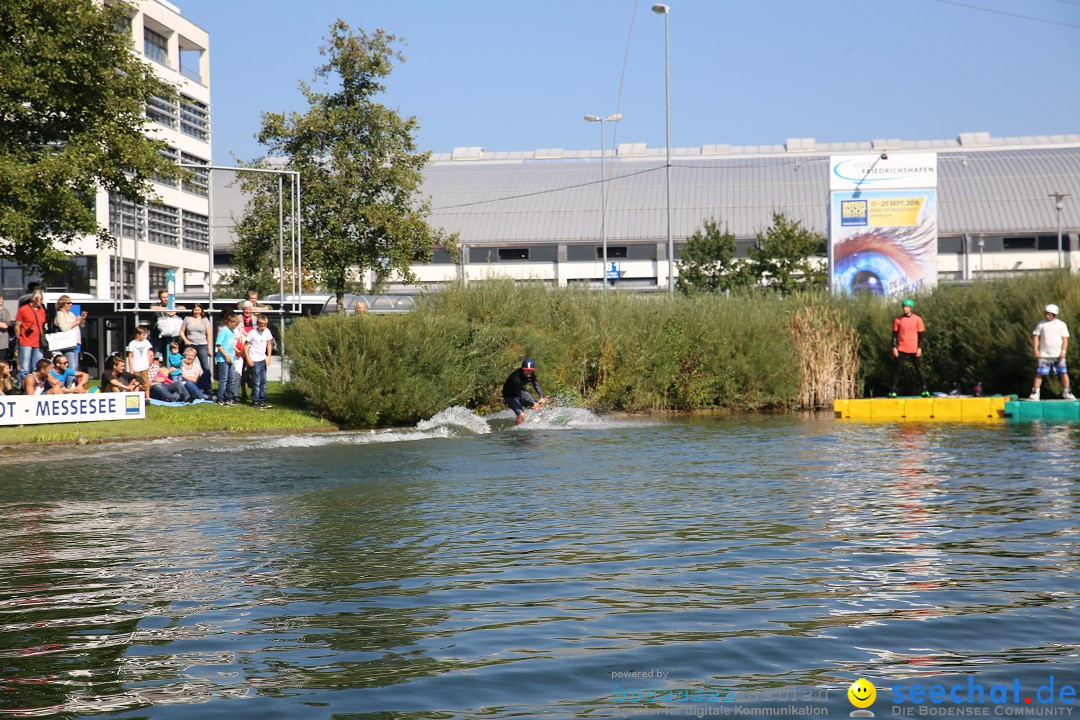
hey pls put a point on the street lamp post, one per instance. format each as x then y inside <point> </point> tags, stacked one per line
<point>603,186</point>
<point>1059,205</point>
<point>664,10</point>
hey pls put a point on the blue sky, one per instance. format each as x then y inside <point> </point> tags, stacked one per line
<point>519,75</point>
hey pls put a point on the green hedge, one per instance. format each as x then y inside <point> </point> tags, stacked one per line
<point>621,351</point>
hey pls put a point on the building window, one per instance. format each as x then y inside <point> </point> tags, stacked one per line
<point>127,277</point>
<point>194,118</point>
<point>1018,243</point>
<point>171,155</point>
<point>125,218</point>
<point>158,279</point>
<point>163,225</point>
<point>156,46</point>
<point>189,64</point>
<point>161,110</point>
<point>199,182</point>
<point>613,252</point>
<point>513,254</point>
<point>196,232</point>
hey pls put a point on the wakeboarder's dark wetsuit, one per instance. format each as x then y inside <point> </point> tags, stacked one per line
<point>514,393</point>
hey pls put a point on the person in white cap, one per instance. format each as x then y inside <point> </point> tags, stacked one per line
<point>1051,340</point>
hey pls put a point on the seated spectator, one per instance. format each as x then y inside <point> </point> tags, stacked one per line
<point>173,359</point>
<point>190,372</point>
<point>5,377</point>
<point>115,379</point>
<point>36,383</point>
<point>63,378</point>
<point>161,385</point>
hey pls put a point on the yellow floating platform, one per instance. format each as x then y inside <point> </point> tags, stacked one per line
<point>974,409</point>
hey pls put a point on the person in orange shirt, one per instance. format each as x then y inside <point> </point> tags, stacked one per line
<point>908,331</point>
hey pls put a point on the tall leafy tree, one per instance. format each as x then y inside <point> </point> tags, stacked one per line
<point>359,169</point>
<point>783,257</point>
<point>708,263</point>
<point>72,120</point>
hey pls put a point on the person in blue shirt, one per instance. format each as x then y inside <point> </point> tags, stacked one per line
<point>64,379</point>
<point>224,354</point>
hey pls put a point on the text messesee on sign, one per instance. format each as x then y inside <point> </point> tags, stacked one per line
<point>42,409</point>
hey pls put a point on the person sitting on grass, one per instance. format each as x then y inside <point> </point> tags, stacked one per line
<point>115,379</point>
<point>63,378</point>
<point>5,377</point>
<point>37,383</point>
<point>190,373</point>
<point>161,385</point>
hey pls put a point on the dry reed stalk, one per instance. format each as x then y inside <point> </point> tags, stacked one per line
<point>828,351</point>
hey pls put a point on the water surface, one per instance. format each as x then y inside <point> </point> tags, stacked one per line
<point>468,569</point>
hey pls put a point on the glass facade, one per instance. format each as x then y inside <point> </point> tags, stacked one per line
<point>163,223</point>
<point>194,118</point>
<point>196,232</point>
<point>156,46</point>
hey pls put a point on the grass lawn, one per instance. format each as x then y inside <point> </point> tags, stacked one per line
<point>288,413</point>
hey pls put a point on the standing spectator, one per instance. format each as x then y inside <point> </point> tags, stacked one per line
<point>908,332</point>
<point>196,332</point>
<point>5,328</point>
<point>64,319</point>
<point>31,289</point>
<point>252,296</point>
<point>259,351</point>
<point>29,329</point>
<point>139,355</point>
<point>224,356</point>
<point>63,378</point>
<point>247,325</point>
<point>1051,340</point>
<point>168,325</point>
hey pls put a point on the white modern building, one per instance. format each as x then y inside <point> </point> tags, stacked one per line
<point>174,232</point>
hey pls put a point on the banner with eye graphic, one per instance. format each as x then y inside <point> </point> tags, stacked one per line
<point>883,224</point>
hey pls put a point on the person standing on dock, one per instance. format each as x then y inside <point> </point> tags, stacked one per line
<point>516,397</point>
<point>1051,340</point>
<point>908,331</point>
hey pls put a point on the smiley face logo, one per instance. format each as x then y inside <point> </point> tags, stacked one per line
<point>862,693</point>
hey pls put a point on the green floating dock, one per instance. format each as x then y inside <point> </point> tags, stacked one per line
<point>1059,411</point>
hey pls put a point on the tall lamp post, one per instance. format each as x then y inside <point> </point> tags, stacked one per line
<point>1059,205</point>
<point>603,185</point>
<point>664,10</point>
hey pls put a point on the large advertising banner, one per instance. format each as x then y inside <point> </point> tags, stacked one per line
<point>883,224</point>
<point>83,407</point>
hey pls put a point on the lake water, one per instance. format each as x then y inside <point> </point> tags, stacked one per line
<point>578,566</point>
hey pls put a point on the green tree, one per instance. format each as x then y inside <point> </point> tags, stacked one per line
<point>359,169</point>
<point>708,262</point>
<point>72,119</point>
<point>783,257</point>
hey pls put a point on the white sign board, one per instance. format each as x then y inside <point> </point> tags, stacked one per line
<point>873,172</point>
<point>42,409</point>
